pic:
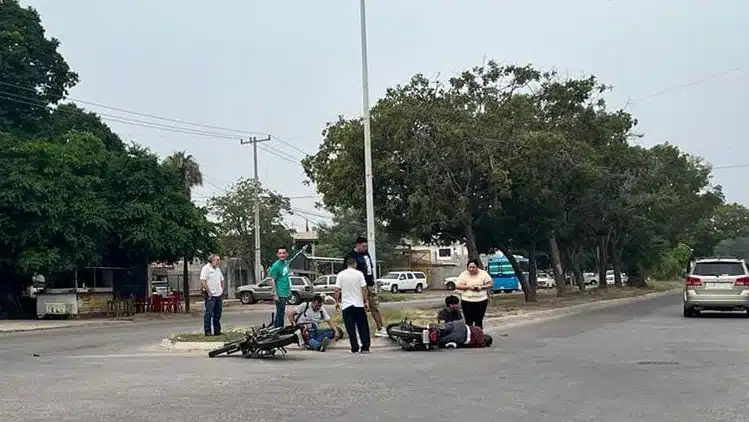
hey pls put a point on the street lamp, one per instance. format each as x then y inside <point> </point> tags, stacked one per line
<point>369,190</point>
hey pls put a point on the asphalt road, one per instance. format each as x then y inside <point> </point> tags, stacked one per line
<point>638,362</point>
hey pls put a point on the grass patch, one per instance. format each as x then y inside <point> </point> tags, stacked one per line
<point>417,315</point>
<point>394,297</point>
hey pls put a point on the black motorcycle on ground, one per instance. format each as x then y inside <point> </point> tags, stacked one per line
<point>259,343</point>
<point>412,337</point>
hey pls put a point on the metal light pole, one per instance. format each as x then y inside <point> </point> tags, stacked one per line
<point>369,190</point>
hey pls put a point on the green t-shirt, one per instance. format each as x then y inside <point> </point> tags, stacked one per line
<point>279,271</point>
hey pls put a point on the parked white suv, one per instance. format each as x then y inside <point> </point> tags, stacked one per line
<point>716,284</point>
<point>396,281</point>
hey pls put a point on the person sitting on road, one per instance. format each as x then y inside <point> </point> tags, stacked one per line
<point>308,317</point>
<point>456,334</point>
<point>451,311</point>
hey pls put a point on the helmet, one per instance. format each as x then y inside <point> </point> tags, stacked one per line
<point>488,340</point>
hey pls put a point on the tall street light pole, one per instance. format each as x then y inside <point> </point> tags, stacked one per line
<point>369,190</point>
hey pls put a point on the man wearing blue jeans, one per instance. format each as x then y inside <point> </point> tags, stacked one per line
<point>212,284</point>
<point>308,317</point>
<point>281,285</point>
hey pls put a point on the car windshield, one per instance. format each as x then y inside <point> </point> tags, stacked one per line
<point>718,268</point>
<point>391,276</point>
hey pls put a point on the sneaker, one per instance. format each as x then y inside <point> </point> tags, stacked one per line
<point>299,337</point>
<point>324,344</point>
<point>364,352</point>
<point>382,332</point>
<point>451,345</point>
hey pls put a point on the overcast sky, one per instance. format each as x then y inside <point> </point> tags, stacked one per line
<point>287,67</point>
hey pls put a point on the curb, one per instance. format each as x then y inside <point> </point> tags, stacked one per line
<point>57,327</point>
<point>494,324</point>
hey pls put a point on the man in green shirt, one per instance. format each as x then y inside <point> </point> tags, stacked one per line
<point>281,285</point>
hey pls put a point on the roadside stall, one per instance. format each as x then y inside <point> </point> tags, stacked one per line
<point>92,291</point>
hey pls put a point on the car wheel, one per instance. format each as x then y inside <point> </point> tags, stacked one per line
<point>450,285</point>
<point>394,288</point>
<point>247,298</point>
<point>593,283</point>
<point>689,312</point>
<point>419,288</point>
<point>293,299</point>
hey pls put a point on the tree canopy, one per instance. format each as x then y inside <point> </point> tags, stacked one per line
<point>520,160</point>
<point>72,193</point>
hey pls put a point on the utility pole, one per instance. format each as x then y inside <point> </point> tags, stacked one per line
<point>369,189</point>
<point>258,265</point>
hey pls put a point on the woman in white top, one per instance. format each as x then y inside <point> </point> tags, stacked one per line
<point>474,284</point>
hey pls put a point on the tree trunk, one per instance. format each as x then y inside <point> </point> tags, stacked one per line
<point>603,260</point>
<point>616,260</point>
<point>473,250</point>
<point>577,269</point>
<point>556,264</point>
<point>532,269</point>
<point>186,284</point>
<point>528,293</point>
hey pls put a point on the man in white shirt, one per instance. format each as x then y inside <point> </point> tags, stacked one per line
<point>353,299</point>
<point>212,285</point>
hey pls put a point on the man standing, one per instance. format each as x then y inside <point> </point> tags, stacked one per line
<point>281,286</point>
<point>212,285</point>
<point>365,265</point>
<point>352,296</point>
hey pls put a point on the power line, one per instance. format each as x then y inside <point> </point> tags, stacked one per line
<point>159,126</point>
<point>168,119</point>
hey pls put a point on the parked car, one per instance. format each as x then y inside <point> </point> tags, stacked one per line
<point>716,284</point>
<point>396,281</point>
<point>545,281</point>
<point>301,291</point>
<point>325,284</point>
<point>450,283</point>
<point>591,279</point>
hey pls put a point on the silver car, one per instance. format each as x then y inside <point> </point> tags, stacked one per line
<point>325,284</point>
<point>716,284</point>
<point>301,291</point>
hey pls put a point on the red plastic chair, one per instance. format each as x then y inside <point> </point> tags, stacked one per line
<point>156,303</point>
<point>177,299</point>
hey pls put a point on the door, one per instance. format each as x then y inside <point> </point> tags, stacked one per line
<point>263,291</point>
<point>410,282</point>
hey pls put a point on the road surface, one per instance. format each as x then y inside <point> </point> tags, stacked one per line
<point>638,362</point>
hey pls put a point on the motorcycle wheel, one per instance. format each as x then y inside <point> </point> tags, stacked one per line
<point>220,350</point>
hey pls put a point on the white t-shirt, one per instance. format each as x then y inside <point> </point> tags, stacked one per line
<point>306,315</point>
<point>214,277</point>
<point>351,281</point>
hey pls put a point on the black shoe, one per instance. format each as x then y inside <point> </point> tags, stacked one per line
<point>219,334</point>
<point>208,334</point>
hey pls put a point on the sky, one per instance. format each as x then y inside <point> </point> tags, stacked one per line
<point>287,67</point>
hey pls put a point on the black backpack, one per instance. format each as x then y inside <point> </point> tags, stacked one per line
<point>304,313</point>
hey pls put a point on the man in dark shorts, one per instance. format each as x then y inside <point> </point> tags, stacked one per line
<point>366,266</point>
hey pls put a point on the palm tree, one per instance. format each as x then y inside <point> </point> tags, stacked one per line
<point>189,170</point>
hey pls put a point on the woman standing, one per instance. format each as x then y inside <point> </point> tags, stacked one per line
<point>474,283</point>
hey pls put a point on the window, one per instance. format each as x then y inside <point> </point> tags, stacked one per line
<point>298,281</point>
<point>718,268</point>
<point>321,281</point>
<point>402,277</point>
<point>391,276</point>
<point>410,276</point>
<point>444,252</point>
<point>420,276</point>
<point>500,268</point>
<point>264,283</point>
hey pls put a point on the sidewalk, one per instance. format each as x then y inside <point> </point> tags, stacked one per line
<point>12,326</point>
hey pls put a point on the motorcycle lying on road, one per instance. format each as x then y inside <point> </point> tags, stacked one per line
<point>258,343</point>
<point>412,337</point>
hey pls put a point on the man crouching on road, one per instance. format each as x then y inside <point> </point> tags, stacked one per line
<point>309,316</point>
<point>212,285</point>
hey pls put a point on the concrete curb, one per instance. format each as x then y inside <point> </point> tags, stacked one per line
<point>493,324</point>
<point>72,324</point>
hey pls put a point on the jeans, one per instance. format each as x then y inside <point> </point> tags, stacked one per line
<point>316,337</point>
<point>213,307</point>
<point>355,319</point>
<point>280,317</point>
<point>473,312</point>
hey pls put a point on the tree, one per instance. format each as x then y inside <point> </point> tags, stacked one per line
<point>32,71</point>
<point>188,171</point>
<point>236,224</point>
<point>337,239</point>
